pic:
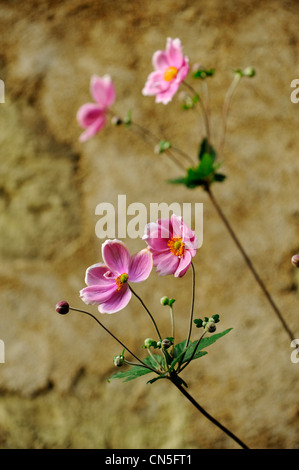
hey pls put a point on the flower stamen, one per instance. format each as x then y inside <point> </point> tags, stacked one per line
<point>121,280</point>
<point>176,246</point>
<point>170,73</point>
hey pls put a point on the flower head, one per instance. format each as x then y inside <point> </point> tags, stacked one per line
<point>92,116</point>
<point>171,68</point>
<point>295,261</point>
<point>172,244</point>
<point>107,283</point>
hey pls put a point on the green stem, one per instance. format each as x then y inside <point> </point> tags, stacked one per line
<point>207,415</point>
<point>193,354</point>
<point>249,263</point>
<point>147,310</point>
<point>113,336</point>
<point>191,314</point>
<point>225,111</point>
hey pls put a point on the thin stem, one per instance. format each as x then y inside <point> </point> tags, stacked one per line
<point>193,354</point>
<point>226,105</point>
<point>191,314</point>
<point>148,312</point>
<point>192,305</point>
<point>153,140</point>
<point>172,321</point>
<point>208,416</point>
<point>203,109</point>
<point>153,357</point>
<point>249,263</point>
<point>114,337</point>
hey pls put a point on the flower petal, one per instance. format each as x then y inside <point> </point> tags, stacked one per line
<point>93,129</point>
<point>166,263</point>
<point>155,84</point>
<point>95,275</point>
<point>87,114</point>
<point>118,300</point>
<point>184,265</point>
<point>160,60</point>
<point>97,294</point>
<point>141,266</point>
<point>116,256</point>
<point>174,52</point>
<point>102,90</point>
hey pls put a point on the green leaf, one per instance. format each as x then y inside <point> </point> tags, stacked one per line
<point>137,371</point>
<point>179,350</point>
<point>133,373</point>
<point>206,147</point>
<point>198,322</point>
<point>203,73</point>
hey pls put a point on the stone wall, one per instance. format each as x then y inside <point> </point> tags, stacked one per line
<point>54,392</point>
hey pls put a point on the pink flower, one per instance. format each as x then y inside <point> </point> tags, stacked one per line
<point>92,116</point>
<point>171,68</point>
<point>108,282</point>
<point>172,244</point>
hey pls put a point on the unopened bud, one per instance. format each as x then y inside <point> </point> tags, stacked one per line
<point>164,300</point>
<point>148,342</point>
<point>118,361</point>
<point>295,261</point>
<point>249,72</point>
<point>166,343</point>
<point>210,326</point>
<point>62,307</point>
<point>116,121</point>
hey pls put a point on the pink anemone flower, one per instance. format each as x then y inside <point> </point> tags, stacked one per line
<point>171,68</point>
<point>92,116</point>
<point>173,245</point>
<point>108,282</point>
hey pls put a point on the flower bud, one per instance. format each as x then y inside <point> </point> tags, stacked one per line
<point>295,261</point>
<point>116,121</point>
<point>118,361</point>
<point>62,307</point>
<point>148,342</point>
<point>166,343</point>
<point>164,300</point>
<point>249,72</point>
<point>210,326</point>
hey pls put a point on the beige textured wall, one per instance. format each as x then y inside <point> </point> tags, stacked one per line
<point>54,392</point>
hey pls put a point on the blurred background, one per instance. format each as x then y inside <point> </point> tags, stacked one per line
<point>54,391</point>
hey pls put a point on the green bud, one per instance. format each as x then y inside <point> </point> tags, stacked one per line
<point>249,72</point>
<point>171,301</point>
<point>210,326</point>
<point>118,361</point>
<point>148,342</point>
<point>164,300</point>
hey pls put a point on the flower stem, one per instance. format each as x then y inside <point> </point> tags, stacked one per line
<point>226,105</point>
<point>249,263</point>
<point>191,314</point>
<point>207,415</point>
<point>114,337</point>
<point>147,310</point>
<point>193,354</point>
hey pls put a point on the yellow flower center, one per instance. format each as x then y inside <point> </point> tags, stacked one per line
<point>170,74</point>
<point>121,280</point>
<point>176,246</point>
